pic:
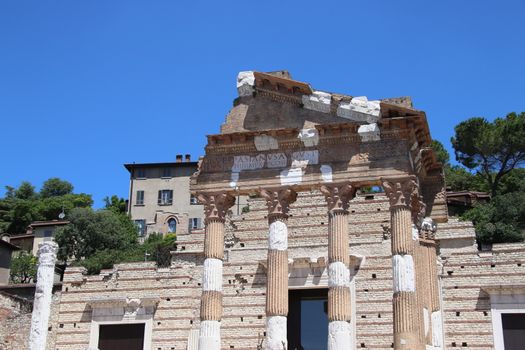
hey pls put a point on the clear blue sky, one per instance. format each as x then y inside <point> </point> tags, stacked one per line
<point>86,86</point>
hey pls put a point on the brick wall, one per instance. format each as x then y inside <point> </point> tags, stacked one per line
<point>243,324</point>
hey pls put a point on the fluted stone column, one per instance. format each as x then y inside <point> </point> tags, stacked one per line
<point>401,192</point>
<point>435,336</point>
<point>339,312</point>
<point>47,254</point>
<point>278,202</point>
<point>215,209</point>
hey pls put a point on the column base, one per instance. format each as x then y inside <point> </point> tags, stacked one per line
<point>339,335</point>
<point>210,335</point>
<point>276,333</point>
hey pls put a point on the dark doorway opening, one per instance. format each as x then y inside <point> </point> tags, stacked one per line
<point>121,337</point>
<point>308,319</point>
<point>513,331</point>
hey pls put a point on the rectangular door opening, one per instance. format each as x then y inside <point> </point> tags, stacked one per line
<point>513,331</point>
<point>308,319</point>
<point>121,336</point>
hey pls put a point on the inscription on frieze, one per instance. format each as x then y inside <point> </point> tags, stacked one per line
<point>276,160</point>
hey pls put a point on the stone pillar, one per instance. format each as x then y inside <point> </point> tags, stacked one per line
<point>401,192</point>
<point>215,209</point>
<point>435,336</point>
<point>278,202</point>
<point>339,312</point>
<point>47,254</point>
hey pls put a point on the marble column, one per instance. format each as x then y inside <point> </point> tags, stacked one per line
<point>215,209</point>
<point>401,192</point>
<point>339,312</point>
<point>278,202</point>
<point>47,254</point>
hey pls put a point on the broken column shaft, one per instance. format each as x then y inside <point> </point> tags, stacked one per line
<point>47,253</point>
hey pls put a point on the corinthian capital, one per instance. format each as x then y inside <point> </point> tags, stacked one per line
<point>338,195</point>
<point>47,253</point>
<point>418,208</point>
<point>216,205</point>
<point>278,201</point>
<point>401,191</point>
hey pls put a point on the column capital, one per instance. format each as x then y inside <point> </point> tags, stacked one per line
<point>418,208</point>
<point>338,196</point>
<point>401,191</point>
<point>278,200</point>
<point>216,205</point>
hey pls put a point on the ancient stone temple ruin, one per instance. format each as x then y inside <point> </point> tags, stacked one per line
<point>345,242</point>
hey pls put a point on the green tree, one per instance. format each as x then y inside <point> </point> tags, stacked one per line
<point>25,191</point>
<point>116,204</point>
<point>49,208</point>
<point>91,231</point>
<point>457,178</point>
<point>492,149</point>
<point>442,154</point>
<point>20,206</point>
<point>55,187</point>
<point>23,268</point>
<point>156,248</point>
<point>501,220</point>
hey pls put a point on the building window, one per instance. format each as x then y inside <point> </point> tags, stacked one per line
<point>48,233</point>
<point>165,197</point>
<point>193,200</point>
<point>141,227</point>
<point>140,173</point>
<point>140,198</point>
<point>166,172</point>
<point>172,225</point>
<point>195,223</point>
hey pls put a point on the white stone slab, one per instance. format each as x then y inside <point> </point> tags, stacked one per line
<point>293,176</point>
<point>276,333</point>
<point>212,275</point>
<point>309,137</point>
<point>318,101</point>
<point>304,158</point>
<point>338,275</point>
<point>245,83</point>
<point>276,160</point>
<point>339,335</point>
<point>437,329</point>
<point>278,237</point>
<point>403,273</point>
<point>369,132</point>
<point>360,109</point>
<point>210,335</point>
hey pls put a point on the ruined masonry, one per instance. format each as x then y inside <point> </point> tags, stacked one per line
<point>397,272</point>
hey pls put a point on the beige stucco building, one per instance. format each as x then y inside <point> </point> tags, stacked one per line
<point>160,199</point>
<point>347,243</point>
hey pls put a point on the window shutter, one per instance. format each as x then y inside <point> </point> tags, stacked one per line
<point>199,223</point>
<point>189,225</point>
<point>159,200</point>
